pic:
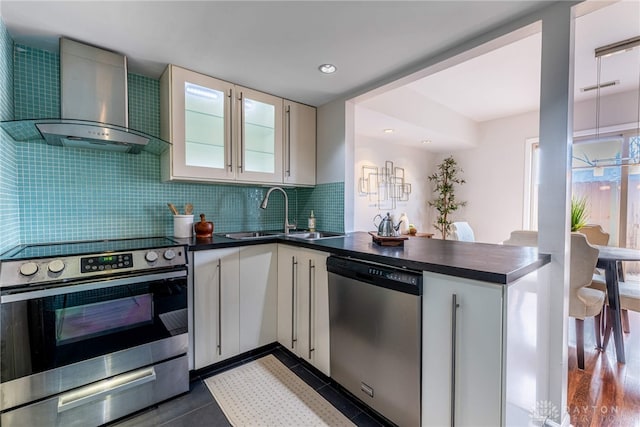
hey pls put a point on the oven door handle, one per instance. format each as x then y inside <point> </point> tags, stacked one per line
<point>100,390</point>
<point>109,283</point>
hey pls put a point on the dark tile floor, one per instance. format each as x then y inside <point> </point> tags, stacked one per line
<point>199,408</point>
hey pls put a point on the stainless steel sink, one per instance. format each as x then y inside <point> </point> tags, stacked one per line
<point>252,235</point>
<point>314,235</point>
<point>302,235</point>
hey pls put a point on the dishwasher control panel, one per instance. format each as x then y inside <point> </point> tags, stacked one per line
<point>394,275</point>
<point>386,276</point>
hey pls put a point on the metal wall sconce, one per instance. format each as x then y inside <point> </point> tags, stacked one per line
<point>385,186</point>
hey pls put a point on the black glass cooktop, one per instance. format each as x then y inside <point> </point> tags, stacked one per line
<point>85,247</point>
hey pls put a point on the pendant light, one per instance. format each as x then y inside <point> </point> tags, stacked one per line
<point>603,52</point>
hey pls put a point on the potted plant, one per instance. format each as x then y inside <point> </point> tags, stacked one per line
<point>579,213</point>
<point>445,179</point>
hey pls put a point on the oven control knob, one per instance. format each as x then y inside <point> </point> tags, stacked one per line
<point>56,266</point>
<point>169,254</point>
<point>28,269</point>
<point>151,256</point>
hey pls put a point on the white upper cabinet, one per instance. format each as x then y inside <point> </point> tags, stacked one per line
<point>259,136</point>
<point>299,144</point>
<point>196,118</point>
<point>219,131</point>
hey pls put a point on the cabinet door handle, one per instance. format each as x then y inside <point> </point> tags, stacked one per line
<point>288,119</point>
<point>219,307</point>
<point>241,99</point>
<point>294,268</point>
<point>230,164</point>
<point>454,318</point>
<point>312,279</point>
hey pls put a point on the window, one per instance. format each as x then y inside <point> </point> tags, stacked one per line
<point>597,176</point>
<point>607,172</point>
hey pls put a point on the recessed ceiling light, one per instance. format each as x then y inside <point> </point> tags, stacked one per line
<point>327,68</point>
<point>387,130</point>
<point>426,141</point>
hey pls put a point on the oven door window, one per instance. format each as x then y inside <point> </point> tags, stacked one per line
<point>59,330</point>
<point>86,321</point>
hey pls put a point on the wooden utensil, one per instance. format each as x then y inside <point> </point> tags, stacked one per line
<point>173,209</point>
<point>188,209</point>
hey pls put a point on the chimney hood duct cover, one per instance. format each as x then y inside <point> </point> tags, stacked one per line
<point>93,88</point>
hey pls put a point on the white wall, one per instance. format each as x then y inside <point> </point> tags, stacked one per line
<point>494,174</point>
<point>418,165</point>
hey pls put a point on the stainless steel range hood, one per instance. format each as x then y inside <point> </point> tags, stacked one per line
<point>88,135</point>
<point>93,100</point>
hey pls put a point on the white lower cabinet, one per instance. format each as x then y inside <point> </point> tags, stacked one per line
<point>216,297</point>
<point>235,301</point>
<point>303,304</point>
<point>481,358</point>
<point>258,295</point>
<point>474,395</point>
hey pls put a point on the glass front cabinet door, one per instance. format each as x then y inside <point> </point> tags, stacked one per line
<point>218,131</point>
<point>196,117</point>
<point>259,136</point>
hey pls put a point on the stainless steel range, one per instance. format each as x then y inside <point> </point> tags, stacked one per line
<point>91,331</point>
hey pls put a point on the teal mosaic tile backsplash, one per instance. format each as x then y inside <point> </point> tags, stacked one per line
<point>79,194</point>
<point>144,104</point>
<point>36,83</point>
<point>9,206</point>
<point>6,73</point>
<point>327,203</point>
<point>9,197</point>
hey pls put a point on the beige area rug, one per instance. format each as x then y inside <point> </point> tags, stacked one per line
<point>266,393</point>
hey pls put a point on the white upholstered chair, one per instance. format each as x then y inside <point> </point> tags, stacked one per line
<point>583,300</point>
<point>522,238</point>
<point>595,234</point>
<point>462,231</point>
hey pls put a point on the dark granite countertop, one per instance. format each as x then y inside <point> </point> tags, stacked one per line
<point>478,261</point>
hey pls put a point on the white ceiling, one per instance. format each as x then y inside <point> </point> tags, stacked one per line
<point>504,82</point>
<point>500,83</point>
<point>274,47</point>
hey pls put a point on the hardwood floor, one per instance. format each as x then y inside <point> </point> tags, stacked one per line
<point>606,393</point>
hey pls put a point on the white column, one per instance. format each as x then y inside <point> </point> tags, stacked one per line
<point>330,147</point>
<point>556,119</point>
<point>335,151</point>
<point>349,162</point>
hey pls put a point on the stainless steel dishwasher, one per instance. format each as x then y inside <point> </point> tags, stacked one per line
<point>375,333</point>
